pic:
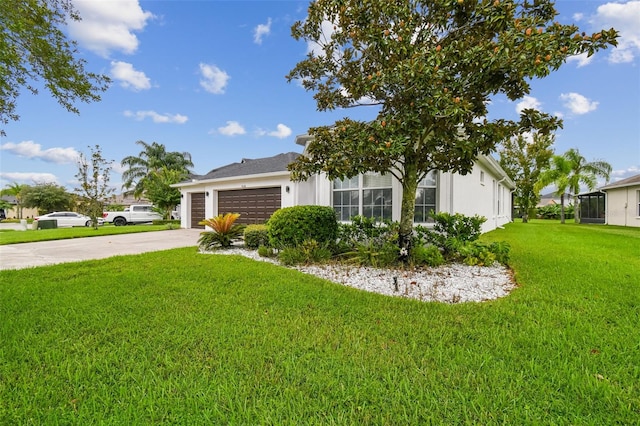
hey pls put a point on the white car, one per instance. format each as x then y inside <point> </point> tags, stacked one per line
<point>66,219</point>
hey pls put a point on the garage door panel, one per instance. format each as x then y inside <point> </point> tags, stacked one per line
<point>254,205</point>
<point>197,209</point>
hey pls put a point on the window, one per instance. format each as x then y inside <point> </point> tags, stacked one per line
<point>346,198</point>
<point>481,177</point>
<point>369,195</point>
<point>426,198</point>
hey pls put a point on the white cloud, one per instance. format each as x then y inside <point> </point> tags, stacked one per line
<point>578,16</point>
<point>617,175</point>
<point>527,102</point>
<point>281,131</point>
<point>624,17</point>
<point>582,59</point>
<point>32,150</point>
<point>232,128</point>
<point>129,77</point>
<point>109,25</point>
<point>214,79</point>
<point>156,117</point>
<point>577,103</point>
<point>261,31</point>
<point>29,177</point>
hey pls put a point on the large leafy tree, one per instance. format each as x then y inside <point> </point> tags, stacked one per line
<point>431,67</point>
<point>47,197</point>
<point>523,158</point>
<point>153,158</point>
<point>16,190</point>
<point>34,47</point>
<point>93,177</point>
<point>570,171</point>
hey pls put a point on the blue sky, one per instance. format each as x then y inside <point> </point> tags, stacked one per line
<point>208,77</point>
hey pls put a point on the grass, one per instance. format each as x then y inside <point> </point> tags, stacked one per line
<point>178,337</point>
<point>9,236</point>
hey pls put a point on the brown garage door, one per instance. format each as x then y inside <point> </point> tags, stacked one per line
<point>254,205</point>
<point>197,209</point>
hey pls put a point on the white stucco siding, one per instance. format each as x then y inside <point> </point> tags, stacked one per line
<point>622,206</point>
<point>482,192</point>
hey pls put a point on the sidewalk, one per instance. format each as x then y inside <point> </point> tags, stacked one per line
<point>18,256</point>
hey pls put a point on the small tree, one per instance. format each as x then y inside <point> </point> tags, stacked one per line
<point>93,177</point>
<point>159,190</point>
<point>47,197</point>
<point>431,67</point>
<point>523,159</point>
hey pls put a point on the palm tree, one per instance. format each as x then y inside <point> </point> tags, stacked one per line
<point>151,159</point>
<point>571,170</point>
<point>15,190</point>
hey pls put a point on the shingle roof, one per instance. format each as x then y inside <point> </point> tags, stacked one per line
<point>633,180</point>
<point>248,166</point>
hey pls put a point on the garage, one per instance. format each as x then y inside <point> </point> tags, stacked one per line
<point>197,209</point>
<point>254,205</point>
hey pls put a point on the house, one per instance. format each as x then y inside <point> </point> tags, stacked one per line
<point>256,188</point>
<point>623,202</point>
<point>13,213</point>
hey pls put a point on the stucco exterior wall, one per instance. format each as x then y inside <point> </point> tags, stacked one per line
<point>622,206</point>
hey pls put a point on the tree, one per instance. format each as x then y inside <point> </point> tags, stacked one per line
<point>523,159</point>
<point>35,47</point>
<point>47,197</point>
<point>431,68</point>
<point>160,192</point>
<point>568,172</point>
<point>16,191</point>
<point>151,159</point>
<point>93,177</point>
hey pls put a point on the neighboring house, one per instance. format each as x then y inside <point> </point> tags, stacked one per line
<point>623,202</point>
<point>256,188</point>
<point>553,198</point>
<point>12,213</point>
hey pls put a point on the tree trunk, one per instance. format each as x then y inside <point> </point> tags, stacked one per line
<point>562,208</point>
<point>407,213</point>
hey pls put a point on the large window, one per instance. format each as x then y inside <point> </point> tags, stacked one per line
<point>426,198</point>
<point>368,195</point>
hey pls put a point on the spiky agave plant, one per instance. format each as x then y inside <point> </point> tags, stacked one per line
<point>224,231</point>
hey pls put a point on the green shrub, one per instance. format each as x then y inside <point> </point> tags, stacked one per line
<point>265,251</point>
<point>256,236</point>
<point>372,254</point>
<point>363,230</point>
<point>310,251</point>
<point>428,255</point>
<point>290,226</point>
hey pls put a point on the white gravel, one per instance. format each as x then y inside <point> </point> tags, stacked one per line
<point>454,283</point>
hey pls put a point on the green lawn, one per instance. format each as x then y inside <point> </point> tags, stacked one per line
<point>9,236</point>
<point>183,338</point>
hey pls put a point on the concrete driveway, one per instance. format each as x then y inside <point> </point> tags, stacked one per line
<point>18,256</point>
